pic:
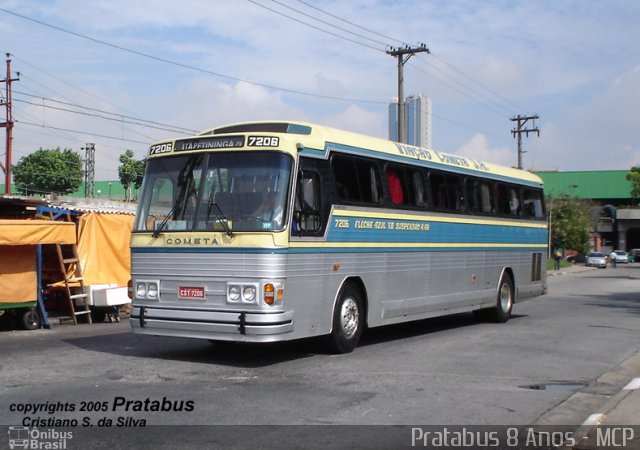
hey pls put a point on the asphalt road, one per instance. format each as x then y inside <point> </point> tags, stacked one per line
<point>435,372</point>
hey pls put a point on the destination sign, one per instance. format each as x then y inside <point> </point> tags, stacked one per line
<point>209,143</point>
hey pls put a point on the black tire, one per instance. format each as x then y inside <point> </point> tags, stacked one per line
<point>348,321</point>
<point>504,301</point>
<point>98,315</point>
<point>30,319</point>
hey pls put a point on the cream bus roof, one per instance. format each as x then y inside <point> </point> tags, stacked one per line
<point>321,138</point>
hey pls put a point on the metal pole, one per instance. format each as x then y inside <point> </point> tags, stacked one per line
<point>402,133</point>
<point>9,126</point>
<point>403,54</point>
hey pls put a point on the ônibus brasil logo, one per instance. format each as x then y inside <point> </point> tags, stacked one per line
<point>32,438</point>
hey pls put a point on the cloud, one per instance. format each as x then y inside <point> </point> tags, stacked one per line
<point>600,133</point>
<point>478,148</point>
<point>356,119</point>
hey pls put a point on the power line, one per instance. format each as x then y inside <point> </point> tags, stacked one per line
<point>168,127</point>
<point>188,66</point>
<point>115,119</point>
<point>501,113</point>
<point>326,23</point>
<point>62,80</point>
<point>83,132</point>
<point>352,23</point>
<point>75,87</point>
<point>492,92</point>
<point>450,66</point>
<point>314,27</point>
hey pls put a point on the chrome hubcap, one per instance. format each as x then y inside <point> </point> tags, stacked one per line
<point>349,317</point>
<point>505,297</point>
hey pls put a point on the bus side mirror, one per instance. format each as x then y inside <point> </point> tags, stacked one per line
<point>309,194</point>
<point>307,209</point>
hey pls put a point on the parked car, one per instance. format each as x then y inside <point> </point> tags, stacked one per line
<point>573,259</point>
<point>621,257</point>
<point>634,255</point>
<point>596,259</point>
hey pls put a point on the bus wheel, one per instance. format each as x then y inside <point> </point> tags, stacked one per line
<point>348,320</point>
<point>30,319</point>
<point>504,302</point>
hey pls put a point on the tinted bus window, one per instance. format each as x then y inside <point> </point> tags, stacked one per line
<point>479,196</point>
<point>405,186</point>
<point>446,190</point>
<point>356,179</point>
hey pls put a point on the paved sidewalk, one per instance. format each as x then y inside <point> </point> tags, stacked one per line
<point>618,425</point>
<point>574,268</point>
<point>617,422</point>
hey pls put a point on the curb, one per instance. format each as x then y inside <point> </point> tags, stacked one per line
<point>584,435</point>
<point>591,415</point>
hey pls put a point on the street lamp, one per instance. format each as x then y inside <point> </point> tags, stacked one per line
<point>109,190</point>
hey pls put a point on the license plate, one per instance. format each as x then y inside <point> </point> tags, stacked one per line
<point>196,293</point>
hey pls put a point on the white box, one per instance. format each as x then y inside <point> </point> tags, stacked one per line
<point>90,289</point>
<point>111,297</point>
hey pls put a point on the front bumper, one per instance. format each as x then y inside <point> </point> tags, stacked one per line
<point>238,326</point>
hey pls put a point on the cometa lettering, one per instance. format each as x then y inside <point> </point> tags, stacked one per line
<point>192,241</point>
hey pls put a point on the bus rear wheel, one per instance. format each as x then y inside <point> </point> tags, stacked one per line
<point>348,321</point>
<point>504,302</point>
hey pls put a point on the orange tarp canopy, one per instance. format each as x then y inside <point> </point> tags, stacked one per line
<point>18,277</point>
<point>103,248</point>
<point>33,232</point>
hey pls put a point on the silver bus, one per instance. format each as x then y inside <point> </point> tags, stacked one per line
<point>273,231</point>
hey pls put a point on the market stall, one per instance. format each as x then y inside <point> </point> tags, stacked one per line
<point>19,274</point>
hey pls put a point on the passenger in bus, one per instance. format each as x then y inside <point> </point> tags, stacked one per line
<point>395,187</point>
<point>270,210</point>
<point>514,203</point>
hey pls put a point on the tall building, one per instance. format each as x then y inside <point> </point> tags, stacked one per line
<point>417,119</point>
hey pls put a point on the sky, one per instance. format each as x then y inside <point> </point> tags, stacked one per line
<point>123,74</point>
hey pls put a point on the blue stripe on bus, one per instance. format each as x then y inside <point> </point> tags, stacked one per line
<point>385,230</point>
<point>331,248</point>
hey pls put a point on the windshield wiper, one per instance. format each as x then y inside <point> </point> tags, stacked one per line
<point>170,214</point>
<point>220,216</point>
<point>183,176</point>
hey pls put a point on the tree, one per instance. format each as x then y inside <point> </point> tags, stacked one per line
<point>634,177</point>
<point>571,221</point>
<point>48,170</point>
<point>130,172</point>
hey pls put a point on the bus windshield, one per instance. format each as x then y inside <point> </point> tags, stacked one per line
<point>227,191</point>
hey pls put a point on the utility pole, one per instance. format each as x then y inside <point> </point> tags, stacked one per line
<point>89,169</point>
<point>403,54</point>
<point>8,124</point>
<point>522,120</point>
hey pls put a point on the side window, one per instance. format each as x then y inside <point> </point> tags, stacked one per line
<point>479,196</point>
<point>508,200</point>
<point>397,192</point>
<point>532,204</point>
<point>356,179</point>
<point>446,191</point>
<point>307,206</point>
<point>405,186</point>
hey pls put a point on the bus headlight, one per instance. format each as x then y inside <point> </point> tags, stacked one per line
<point>245,293</point>
<point>233,294</point>
<point>147,290</point>
<point>249,294</point>
<point>152,291</point>
<point>141,290</point>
